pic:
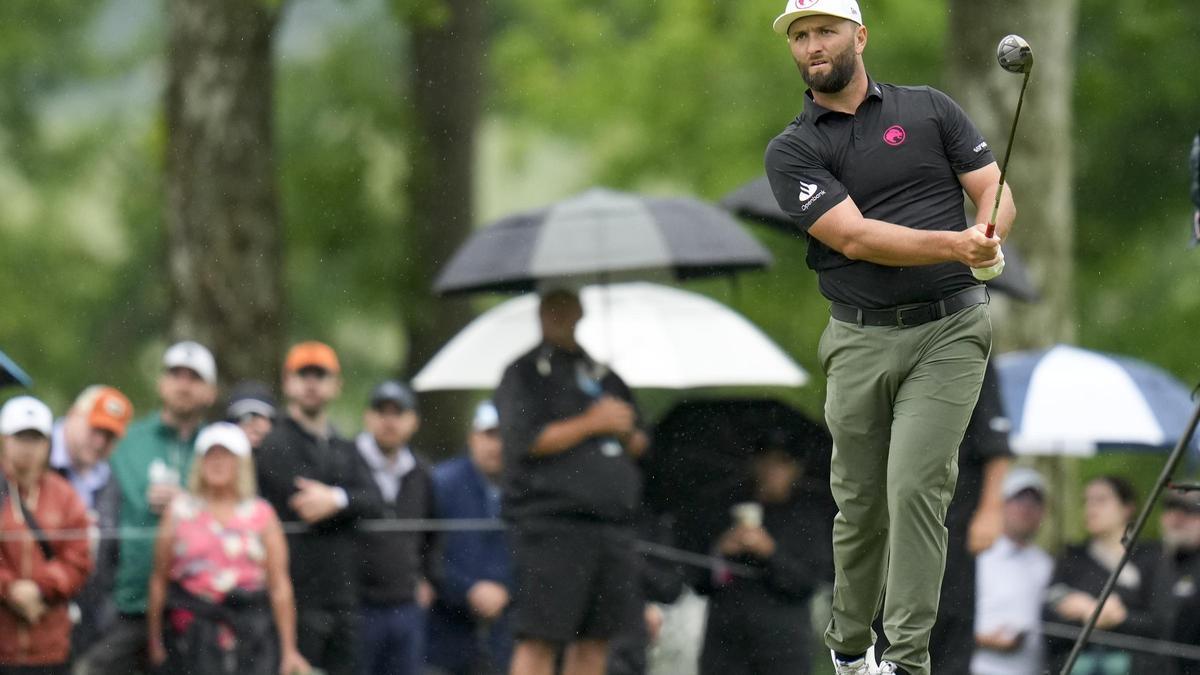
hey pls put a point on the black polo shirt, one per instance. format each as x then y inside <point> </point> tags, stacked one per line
<point>595,480</point>
<point>898,157</point>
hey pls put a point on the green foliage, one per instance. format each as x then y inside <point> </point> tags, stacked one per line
<point>664,96</point>
<point>1137,110</point>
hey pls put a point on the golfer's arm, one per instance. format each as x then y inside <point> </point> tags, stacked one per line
<point>844,229</point>
<point>980,186</point>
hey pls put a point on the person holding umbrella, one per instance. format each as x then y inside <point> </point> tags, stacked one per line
<point>874,174</point>
<point>571,490</point>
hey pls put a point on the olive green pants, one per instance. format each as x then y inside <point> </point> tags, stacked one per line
<point>897,405</point>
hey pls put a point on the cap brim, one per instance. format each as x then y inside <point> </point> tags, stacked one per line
<point>116,428</point>
<point>23,428</point>
<point>784,21</point>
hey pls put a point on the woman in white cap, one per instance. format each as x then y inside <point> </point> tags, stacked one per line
<point>42,566</point>
<point>220,572</point>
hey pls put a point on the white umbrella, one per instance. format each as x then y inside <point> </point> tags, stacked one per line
<point>651,335</point>
<point>1071,401</point>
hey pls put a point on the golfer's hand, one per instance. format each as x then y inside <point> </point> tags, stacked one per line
<point>986,526</point>
<point>314,501</point>
<point>991,272</point>
<point>975,249</point>
<point>487,599</point>
<point>611,417</point>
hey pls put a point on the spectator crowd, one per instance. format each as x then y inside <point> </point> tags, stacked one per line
<point>271,542</point>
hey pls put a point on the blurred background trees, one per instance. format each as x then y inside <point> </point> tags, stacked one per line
<point>398,124</point>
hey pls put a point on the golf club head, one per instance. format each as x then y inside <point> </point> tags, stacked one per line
<point>1014,54</point>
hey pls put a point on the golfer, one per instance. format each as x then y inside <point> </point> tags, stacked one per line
<point>874,175</point>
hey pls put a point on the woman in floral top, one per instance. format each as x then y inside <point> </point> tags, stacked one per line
<point>220,572</point>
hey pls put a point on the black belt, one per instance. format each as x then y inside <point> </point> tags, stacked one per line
<point>907,316</point>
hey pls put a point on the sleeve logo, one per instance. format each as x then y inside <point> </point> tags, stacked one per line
<point>809,193</point>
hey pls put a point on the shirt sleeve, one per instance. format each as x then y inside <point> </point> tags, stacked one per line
<point>803,184</point>
<point>522,417</point>
<point>965,147</point>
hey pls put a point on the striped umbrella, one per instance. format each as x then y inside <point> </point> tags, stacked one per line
<point>599,236</point>
<point>11,373</point>
<point>1071,401</point>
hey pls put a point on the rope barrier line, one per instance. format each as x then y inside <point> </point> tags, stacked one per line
<point>661,551</point>
<point>1124,641</point>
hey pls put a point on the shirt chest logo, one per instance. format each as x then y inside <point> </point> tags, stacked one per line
<point>895,135</point>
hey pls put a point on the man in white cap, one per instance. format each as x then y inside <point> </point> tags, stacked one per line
<point>1011,580</point>
<point>469,625</point>
<point>149,465</point>
<point>874,174</point>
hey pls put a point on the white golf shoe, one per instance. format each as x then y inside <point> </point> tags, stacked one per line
<point>861,666</point>
<point>888,668</point>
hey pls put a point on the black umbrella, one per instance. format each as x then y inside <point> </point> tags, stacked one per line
<point>700,463</point>
<point>11,373</point>
<point>598,236</point>
<point>755,201</point>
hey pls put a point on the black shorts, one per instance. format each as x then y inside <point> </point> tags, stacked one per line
<point>575,580</point>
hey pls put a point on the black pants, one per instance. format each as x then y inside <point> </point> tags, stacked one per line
<point>329,639</point>
<point>755,637</point>
<point>122,650</point>
<point>952,644</point>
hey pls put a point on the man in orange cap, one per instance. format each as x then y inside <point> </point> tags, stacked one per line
<point>311,474</point>
<point>80,446</point>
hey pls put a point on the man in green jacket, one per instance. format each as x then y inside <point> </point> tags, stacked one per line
<point>151,465</point>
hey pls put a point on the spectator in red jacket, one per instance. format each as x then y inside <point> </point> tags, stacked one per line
<point>40,568</point>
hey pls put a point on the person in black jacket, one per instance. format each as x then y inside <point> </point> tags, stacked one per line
<point>311,475</point>
<point>1081,572</point>
<point>397,567</point>
<point>759,624</point>
<point>1181,538</point>
<point>572,489</point>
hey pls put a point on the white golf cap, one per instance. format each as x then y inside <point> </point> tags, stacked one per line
<point>797,9</point>
<point>25,413</point>
<point>193,356</point>
<point>1021,478</point>
<point>223,434</point>
<point>486,417</point>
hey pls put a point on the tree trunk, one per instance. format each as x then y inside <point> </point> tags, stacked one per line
<point>446,93</point>
<point>1040,172</point>
<point>222,206</point>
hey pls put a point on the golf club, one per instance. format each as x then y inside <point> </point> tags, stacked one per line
<point>1016,56</point>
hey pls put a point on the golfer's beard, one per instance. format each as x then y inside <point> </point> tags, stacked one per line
<point>841,71</point>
